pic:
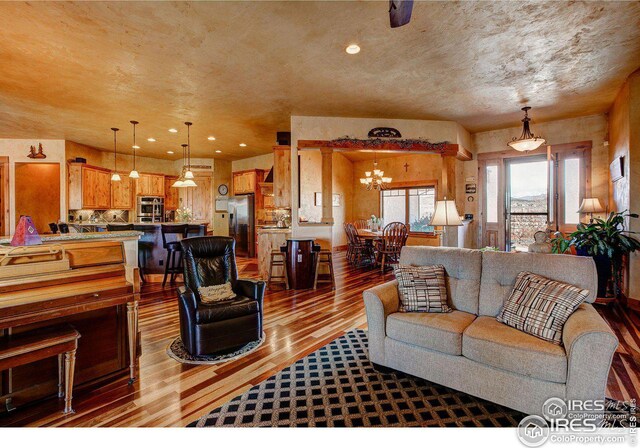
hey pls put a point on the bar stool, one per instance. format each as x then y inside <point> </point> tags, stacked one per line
<point>171,266</point>
<point>278,259</point>
<point>324,257</point>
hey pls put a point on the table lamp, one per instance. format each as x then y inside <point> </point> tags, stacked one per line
<point>591,206</point>
<point>445,214</point>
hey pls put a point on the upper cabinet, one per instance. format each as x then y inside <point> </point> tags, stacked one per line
<point>246,182</point>
<point>89,187</point>
<point>122,193</point>
<point>172,194</point>
<point>150,185</point>
<point>282,176</point>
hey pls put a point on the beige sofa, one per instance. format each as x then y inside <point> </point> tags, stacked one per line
<point>469,350</point>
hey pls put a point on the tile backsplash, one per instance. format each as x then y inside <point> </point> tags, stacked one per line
<point>99,215</point>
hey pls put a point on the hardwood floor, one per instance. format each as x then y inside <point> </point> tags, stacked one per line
<point>296,323</point>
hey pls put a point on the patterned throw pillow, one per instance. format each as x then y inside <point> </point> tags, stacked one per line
<point>216,293</point>
<point>422,289</point>
<point>540,306</point>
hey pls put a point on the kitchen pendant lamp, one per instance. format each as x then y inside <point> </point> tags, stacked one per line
<point>188,174</point>
<point>527,141</point>
<point>115,177</point>
<point>179,183</point>
<point>134,174</point>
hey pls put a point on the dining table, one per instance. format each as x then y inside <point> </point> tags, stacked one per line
<point>369,235</point>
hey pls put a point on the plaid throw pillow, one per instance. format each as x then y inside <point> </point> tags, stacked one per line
<point>540,306</point>
<point>422,289</point>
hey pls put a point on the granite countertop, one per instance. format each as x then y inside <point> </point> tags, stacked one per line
<point>81,236</point>
<point>101,224</point>
<point>274,230</point>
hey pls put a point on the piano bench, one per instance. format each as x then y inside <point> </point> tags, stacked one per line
<point>24,348</point>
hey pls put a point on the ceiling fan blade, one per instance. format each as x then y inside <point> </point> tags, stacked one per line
<point>400,12</point>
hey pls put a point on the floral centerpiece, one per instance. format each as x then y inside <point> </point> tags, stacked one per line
<point>184,214</point>
<point>376,223</point>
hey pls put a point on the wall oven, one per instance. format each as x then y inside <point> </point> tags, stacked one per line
<point>150,209</point>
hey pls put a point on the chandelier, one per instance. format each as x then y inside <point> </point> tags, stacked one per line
<point>375,180</point>
<point>527,141</point>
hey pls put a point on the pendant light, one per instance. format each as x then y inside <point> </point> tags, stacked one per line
<point>375,180</point>
<point>115,177</point>
<point>134,174</point>
<point>527,141</point>
<point>188,174</point>
<point>179,183</point>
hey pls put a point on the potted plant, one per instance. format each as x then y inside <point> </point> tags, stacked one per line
<point>607,241</point>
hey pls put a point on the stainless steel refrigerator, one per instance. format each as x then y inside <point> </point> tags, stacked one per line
<point>242,224</point>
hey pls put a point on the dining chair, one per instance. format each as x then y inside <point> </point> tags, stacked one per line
<point>394,237</point>
<point>360,250</point>
<point>361,224</point>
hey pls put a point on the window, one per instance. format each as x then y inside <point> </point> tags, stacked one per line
<point>411,206</point>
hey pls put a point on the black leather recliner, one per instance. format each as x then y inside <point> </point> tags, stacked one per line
<point>207,329</point>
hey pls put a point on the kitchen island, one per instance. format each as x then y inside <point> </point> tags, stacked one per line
<point>152,253</point>
<point>270,238</point>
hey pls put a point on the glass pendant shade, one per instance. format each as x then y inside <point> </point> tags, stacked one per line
<point>134,174</point>
<point>115,177</point>
<point>527,141</point>
<point>188,175</point>
<point>178,183</point>
<point>189,183</point>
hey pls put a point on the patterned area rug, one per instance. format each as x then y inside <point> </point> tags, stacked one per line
<point>177,351</point>
<point>337,386</point>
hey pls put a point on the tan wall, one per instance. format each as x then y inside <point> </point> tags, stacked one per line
<point>310,184</point>
<point>104,159</point>
<point>343,185</point>
<point>624,140</point>
<point>263,162</point>
<point>221,175</point>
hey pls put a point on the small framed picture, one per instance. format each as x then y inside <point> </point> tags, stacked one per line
<point>470,188</point>
<point>337,200</point>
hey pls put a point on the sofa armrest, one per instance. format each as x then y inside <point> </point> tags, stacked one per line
<point>590,345</point>
<point>379,302</point>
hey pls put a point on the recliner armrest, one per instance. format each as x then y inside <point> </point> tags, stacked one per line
<point>188,299</point>
<point>590,345</point>
<point>254,289</point>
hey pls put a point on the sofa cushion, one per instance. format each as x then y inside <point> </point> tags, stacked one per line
<point>540,307</point>
<point>462,272</point>
<point>495,344</point>
<point>422,289</point>
<point>500,269</point>
<point>441,332</point>
<point>216,312</point>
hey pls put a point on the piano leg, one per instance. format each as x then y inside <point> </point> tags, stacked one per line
<point>132,330</point>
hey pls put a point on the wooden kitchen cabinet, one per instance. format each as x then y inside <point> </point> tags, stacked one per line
<point>246,182</point>
<point>89,187</point>
<point>200,199</point>
<point>171,194</point>
<point>150,185</point>
<point>281,177</point>
<point>122,193</point>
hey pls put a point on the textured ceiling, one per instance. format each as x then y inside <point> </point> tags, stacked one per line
<point>239,70</point>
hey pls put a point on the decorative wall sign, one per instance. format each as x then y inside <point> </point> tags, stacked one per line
<point>616,169</point>
<point>470,188</point>
<point>39,154</point>
<point>384,132</point>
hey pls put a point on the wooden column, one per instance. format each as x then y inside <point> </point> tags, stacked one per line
<point>448,178</point>
<point>327,185</point>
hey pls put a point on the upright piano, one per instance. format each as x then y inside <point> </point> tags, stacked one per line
<point>86,284</point>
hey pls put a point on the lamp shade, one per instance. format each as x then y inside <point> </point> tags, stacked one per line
<point>591,205</point>
<point>446,214</point>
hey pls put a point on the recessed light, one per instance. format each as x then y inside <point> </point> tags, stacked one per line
<point>243,144</point>
<point>218,151</point>
<point>211,137</point>
<point>353,49</point>
<point>173,130</point>
<point>151,139</point>
<point>135,147</point>
<point>169,152</point>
